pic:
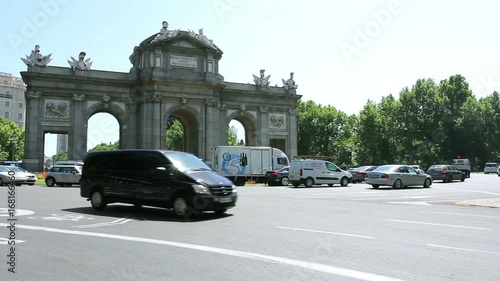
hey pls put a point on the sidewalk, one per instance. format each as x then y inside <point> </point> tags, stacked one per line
<point>490,203</point>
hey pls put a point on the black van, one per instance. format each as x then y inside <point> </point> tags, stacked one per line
<point>160,178</point>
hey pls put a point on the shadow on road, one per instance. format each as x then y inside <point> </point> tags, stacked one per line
<point>145,213</point>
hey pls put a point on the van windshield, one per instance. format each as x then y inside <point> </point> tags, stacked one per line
<point>187,162</point>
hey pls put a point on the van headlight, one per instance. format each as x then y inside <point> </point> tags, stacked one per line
<point>201,189</point>
<point>234,189</point>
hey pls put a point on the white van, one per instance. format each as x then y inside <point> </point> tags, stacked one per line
<point>310,172</point>
<point>490,168</point>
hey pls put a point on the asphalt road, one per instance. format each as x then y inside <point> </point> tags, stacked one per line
<point>274,233</point>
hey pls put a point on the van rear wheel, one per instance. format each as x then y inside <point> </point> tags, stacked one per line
<point>181,206</point>
<point>97,200</point>
<point>309,182</point>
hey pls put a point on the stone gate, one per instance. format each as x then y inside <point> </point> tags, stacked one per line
<point>174,74</point>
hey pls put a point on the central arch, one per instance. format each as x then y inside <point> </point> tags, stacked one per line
<point>190,120</point>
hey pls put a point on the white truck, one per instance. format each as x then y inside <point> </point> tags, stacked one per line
<point>242,163</point>
<point>462,165</point>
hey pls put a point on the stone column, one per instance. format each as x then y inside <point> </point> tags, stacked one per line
<point>128,136</point>
<point>77,136</point>
<point>210,139</point>
<point>292,144</point>
<point>156,125</point>
<point>264,126</point>
<point>34,141</point>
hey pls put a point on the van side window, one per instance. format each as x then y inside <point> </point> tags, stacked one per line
<point>331,166</point>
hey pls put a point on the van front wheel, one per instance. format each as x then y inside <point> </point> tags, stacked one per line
<point>97,200</point>
<point>344,181</point>
<point>181,207</point>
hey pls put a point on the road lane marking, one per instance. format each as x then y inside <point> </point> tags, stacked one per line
<point>417,197</point>
<point>420,203</point>
<point>458,214</point>
<point>463,249</point>
<point>115,222</point>
<point>63,217</point>
<point>474,191</point>
<point>327,232</point>
<point>5,241</point>
<point>339,271</point>
<point>4,212</point>
<point>439,224</point>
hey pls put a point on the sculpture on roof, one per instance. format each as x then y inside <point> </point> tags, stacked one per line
<point>165,33</point>
<point>290,83</point>
<point>262,81</point>
<point>81,63</point>
<point>202,37</point>
<point>36,58</point>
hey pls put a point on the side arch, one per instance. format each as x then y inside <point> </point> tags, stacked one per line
<point>249,122</point>
<point>190,119</point>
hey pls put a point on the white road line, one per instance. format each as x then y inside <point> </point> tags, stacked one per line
<point>115,222</point>
<point>420,203</point>
<point>5,241</point>
<point>315,197</point>
<point>458,214</point>
<point>378,198</point>
<point>327,232</point>
<point>463,249</point>
<point>418,197</point>
<point>339,271</point>
<point>467,190</point>
<point>439,224</point>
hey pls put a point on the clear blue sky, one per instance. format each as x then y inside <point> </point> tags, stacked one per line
<point>342,52</point>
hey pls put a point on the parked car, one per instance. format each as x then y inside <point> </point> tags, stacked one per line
<point>397,176</point>
<point>279,177</point>
<point>462,165</point>
<point>491,168</point>
<point>359,173</point>
<point>5,178</point>
<point>64,175</point>
<point>23,175</point>
<point>446,173</point>
<point>418,168</point>
<point>160,178</point>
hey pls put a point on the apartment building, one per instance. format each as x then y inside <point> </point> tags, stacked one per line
<point>12,101</point>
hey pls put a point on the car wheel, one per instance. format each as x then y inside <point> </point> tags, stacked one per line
<point>309,182</point>
<point>375,185</point>
<point>450,178</point>
<point>427,183</point>
<point>463,178</point>
<point>1,182</point>
<point>397,184</point>
<point>50,181</point>
<point>284,181</point>
<point>181,206</point>
<point>240,182</point>
<point>97,200</point>
<point>344,181</point>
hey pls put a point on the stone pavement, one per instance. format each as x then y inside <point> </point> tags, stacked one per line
<point>491,203</point>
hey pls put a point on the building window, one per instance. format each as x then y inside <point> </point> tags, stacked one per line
<point>6,115</point>
<point>8,94</point>
<point>21,105</point>
<point>20,116</point>
<point>7,103</point>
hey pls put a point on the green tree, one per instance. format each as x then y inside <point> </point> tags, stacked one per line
<point>175,136</point>
<point>61,156</point>
<point>11,140</point>
<point>104,146</point>
<point>232,136</point>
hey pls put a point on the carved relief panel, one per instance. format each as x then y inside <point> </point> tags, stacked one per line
<point>277,121</point>
<point>56,109</point>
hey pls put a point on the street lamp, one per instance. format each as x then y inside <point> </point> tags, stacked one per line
<point>13,140</point>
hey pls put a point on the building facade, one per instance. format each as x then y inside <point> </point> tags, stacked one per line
<point>12,101</point>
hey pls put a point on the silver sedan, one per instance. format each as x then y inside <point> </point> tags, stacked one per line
<point>397,176</point>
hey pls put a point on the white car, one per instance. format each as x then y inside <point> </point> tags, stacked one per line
<point>491,168</point>
<point>24,176</point>
<point>64,175</point>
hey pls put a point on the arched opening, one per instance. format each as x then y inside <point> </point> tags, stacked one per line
<point>175,135</point>
<point>236,133</point>
<point>246,128</point>
<point>183,127</point>
<point>103,132</point>
<point>55,147</point>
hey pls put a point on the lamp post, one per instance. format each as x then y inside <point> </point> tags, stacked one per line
<point>13,140</point>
